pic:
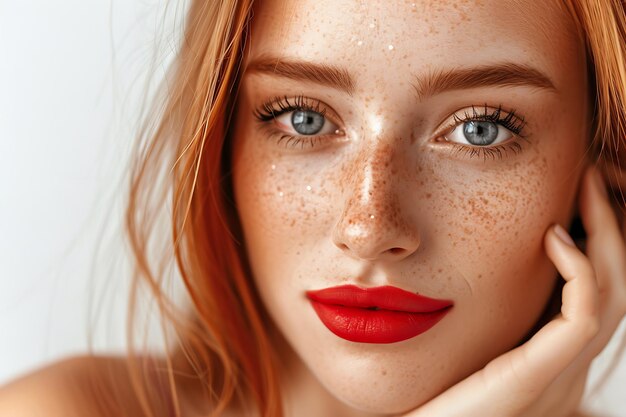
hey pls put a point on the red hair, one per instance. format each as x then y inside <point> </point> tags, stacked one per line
<point>224,341</point>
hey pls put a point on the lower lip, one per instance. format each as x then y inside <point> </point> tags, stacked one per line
<point>375,326</point>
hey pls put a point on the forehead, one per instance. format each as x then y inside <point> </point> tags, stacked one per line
<point>382,39</point>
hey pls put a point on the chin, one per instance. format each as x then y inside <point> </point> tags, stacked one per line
<point>371,386</point>
<point>385,399</point>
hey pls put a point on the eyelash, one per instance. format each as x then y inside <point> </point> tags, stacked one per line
<point>268,112</point>
<point>514,123</point>
<point>279,105</point>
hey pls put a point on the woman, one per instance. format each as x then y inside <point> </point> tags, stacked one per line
<point>366,211</point>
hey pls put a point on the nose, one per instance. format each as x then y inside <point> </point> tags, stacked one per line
<point>373,224</point>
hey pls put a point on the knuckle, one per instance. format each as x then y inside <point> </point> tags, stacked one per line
<point>581,267</point>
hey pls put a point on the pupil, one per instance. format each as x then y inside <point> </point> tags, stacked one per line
<point>307,122</point>
<point>480,133</point>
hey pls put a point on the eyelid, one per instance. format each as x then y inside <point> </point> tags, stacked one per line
<point>278,104</point>
<point>515,144</point>
<point>331,125</point>
<point>270,111</point>
<point>511,121</point>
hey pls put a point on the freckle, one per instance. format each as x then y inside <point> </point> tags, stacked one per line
<point>428,195</point>
<point>384,372</point>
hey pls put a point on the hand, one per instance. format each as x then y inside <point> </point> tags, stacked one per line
<point>545,377</point>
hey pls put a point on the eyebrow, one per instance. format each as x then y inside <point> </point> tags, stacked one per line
<point>497,75</point>
<point>323,74</point>
<point>432,83</point>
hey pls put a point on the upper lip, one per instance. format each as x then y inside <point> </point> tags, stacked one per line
<point>385,298</point>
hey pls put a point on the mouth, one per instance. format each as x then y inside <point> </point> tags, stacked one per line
<point>384,314</point>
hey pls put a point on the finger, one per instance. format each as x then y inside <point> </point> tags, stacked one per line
<point>605,241</point>
<point>526,371</point>
<point>565,395</point>
<point>558,343</point>
<point>514,380</point>
<point>605,244</point>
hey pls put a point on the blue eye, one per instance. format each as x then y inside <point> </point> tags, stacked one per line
<point>480,133</point>
<point>307,122</point>
<point>482,127</point>
<point>300,116</point>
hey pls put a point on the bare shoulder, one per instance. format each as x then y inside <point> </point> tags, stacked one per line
<point>77,386</point>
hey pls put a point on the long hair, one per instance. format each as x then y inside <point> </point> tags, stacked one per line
<point>224,340</point>
<point>182,157</point>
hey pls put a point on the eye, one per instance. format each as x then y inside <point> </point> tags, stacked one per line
<point>483,127</point>
<point>299,122</point>
<point>478,133</point>
<point>306,122</point>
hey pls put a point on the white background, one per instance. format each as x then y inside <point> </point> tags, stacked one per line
<point>71,77</point>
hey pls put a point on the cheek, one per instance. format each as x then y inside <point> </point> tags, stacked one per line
<point>283,205</point>
<point>488,230</point>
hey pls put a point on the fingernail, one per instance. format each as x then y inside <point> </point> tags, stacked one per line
<point>600,182</point>
<point>563,235</point>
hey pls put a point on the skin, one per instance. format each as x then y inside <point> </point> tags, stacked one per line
<point>390,203</point>
<point>479,232</point>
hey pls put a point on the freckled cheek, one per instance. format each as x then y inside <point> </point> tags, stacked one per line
<point>282,205</point>
<point>489,235</point>
<point>494,224</point>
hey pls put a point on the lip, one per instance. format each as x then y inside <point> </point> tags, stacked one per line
<point>384,314</point>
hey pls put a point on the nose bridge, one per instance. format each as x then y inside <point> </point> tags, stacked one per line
<point>372,223</point>
<point>373,172</point>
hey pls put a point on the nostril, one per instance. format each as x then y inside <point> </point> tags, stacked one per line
<point>343,247</point>
<point>396,251</point>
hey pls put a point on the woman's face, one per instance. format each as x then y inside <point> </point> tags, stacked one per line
<point>448,138</point>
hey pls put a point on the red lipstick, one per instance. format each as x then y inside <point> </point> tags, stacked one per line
<point>384,314</point>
